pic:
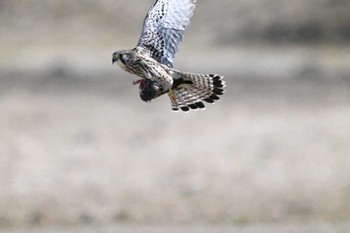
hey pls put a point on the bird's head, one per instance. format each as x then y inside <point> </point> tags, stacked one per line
<point>119,57</point>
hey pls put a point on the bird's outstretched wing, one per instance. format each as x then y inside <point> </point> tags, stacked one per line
<point>164,27</point>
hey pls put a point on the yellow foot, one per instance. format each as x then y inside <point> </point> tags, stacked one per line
<point>172,96</point>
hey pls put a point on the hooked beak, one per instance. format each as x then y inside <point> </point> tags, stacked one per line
<point>114,58</point>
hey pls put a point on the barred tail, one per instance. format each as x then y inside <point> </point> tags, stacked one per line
<point>190,90</point>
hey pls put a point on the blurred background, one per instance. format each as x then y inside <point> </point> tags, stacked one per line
<point>78,147</point>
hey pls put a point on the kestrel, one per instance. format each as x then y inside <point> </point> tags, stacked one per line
<point>152,59</point>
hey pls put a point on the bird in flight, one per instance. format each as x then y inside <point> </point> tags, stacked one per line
<point>153,57</point>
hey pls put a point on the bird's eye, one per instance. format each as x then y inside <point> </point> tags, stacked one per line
<point>120,55</point>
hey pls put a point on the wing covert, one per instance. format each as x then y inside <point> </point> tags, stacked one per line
<point>164,28</point>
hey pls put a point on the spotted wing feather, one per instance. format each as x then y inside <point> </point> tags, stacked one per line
<point>164,27</point>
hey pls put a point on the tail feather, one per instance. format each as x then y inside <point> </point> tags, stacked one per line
<point>191,90</point>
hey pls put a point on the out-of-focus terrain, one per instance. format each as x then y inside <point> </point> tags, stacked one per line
<point>78,146</point>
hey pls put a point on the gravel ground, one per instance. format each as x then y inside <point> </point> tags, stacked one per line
<point>89,151</point>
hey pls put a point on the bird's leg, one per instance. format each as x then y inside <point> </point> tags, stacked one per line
<point>137,81</point>
<point>172,96</point>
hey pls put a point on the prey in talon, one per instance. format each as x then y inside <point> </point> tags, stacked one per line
<point>136,82</point>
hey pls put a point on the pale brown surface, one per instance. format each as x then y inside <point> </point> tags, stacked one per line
<point>78,146</point>
<point>255,228</point>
